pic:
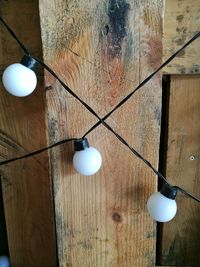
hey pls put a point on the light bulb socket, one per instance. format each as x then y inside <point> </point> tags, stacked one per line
<point>81,144</point>
<point>29,62</point>
<point>168,191</point>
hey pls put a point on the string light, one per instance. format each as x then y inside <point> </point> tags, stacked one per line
<point>162,205</point>
<point>19,79</point>
<point>87,160</point>
<point>81,159</point>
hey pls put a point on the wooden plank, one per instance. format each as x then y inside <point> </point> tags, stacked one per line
<point>102,49</point>
<point>181,238</point>
<point>181,22</point>
<point>26,185</point>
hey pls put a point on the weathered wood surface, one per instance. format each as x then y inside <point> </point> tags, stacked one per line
<point>181,237</point>
<point>102,49</point>
<point>26,184</point>
<point>181,22</point>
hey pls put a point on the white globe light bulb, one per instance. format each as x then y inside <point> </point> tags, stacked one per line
<point>161,205</point>
<point>19,79</point>
<point>87,160</point>
<point>4,261</point>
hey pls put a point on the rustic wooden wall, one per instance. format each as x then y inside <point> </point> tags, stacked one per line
<point>26,184</point>
<point>102,49</point>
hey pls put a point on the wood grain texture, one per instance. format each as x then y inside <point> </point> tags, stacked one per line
<point>181,22</point>
<point>26,185</point>
<point>102,50</point>
<point>181,238</point>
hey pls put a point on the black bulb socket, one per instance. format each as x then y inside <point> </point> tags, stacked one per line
<point>81,144</point>
<point>29,62</point>
<point>169,191</point>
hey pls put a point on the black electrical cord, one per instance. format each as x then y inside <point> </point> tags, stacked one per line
<point>186,193</point>
<point>33,153</point>
<point>120,138</point>
<point>14,36</point>
<point>101,120</point>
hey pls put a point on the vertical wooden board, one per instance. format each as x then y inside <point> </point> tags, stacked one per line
<point>102,50</point>
<point>26,185</point>
<point>181,22</point>
<point>181,238</point>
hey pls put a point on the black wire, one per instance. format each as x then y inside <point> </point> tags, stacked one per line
<point>37,151</point>
<point>120,138</point>
<point>68,89</point>
<point>144,82</point>
<point>14,36</point>
<point>101,120</point>
<point>187,193</point>
<point>73,94</point>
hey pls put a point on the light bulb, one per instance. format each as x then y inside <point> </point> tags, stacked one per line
<point>4,261</point>
<point>162,205</point>
<point>87,160</point>
<point>19,79</point>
